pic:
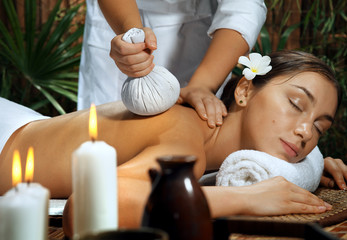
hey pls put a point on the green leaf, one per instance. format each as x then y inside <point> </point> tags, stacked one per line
<point>285,36</point>
<point>39,104</point>
<point>14,22</point>
<point>51,99</point>
<point>46,28</point>
<point>265,41</point>
<point>62,28</point>
<point>64,92</point>
<point>30,20</point>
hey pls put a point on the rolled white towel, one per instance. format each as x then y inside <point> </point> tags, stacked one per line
<point>151,94</point>
<point>246,167</point>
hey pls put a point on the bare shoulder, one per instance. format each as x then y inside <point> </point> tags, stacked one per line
<point>177,117</point>
<point>117,111</point>
<point>176,131</point>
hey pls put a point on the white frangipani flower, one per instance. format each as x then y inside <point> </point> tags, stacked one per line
<point>256,65</point>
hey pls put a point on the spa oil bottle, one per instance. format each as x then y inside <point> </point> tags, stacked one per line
<point>177,204</point>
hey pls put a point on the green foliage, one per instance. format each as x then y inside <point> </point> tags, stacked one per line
<point>324,29</point>
<point>38,64</point>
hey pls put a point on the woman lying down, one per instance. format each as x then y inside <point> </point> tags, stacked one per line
<point>282,113</point>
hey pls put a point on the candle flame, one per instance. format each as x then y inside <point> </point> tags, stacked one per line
<point>29,168</point>
<point>93,131</point>
<point>16,169</point>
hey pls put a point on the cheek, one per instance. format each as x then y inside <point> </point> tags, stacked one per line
<point>310,145</point>
<point>259,124</point>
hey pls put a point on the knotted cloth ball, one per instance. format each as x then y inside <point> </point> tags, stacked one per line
<point>151,94</point>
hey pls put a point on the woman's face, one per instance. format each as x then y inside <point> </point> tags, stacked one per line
<point>285,118</point>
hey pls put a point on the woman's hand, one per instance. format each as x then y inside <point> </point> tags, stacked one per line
<point>208,106</point>
<point>275,196</point>
<point>278,196</point>
<point>335,173</point>
<point>134,60</point>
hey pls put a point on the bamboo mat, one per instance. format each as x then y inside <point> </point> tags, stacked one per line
<point>55,233</point>
<point>333,221</point>
<point>338,214</point>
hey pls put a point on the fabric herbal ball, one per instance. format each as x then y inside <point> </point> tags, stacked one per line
<point>134,35</point>
<point>152,94</point>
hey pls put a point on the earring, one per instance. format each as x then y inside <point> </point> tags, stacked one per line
<point>240,101</point>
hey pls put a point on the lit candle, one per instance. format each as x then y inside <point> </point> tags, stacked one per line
<point>37,191</point>
<point>19,217</point>
<point>94,184</point>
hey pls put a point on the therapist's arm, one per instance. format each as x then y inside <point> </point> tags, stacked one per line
<point>134,60</point>
<point>222,55</point>
<point>121,15</point>
<point>233,19</point>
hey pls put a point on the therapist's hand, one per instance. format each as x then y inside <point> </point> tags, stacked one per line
<point>207,105</point>
<point>335,173</point>
<point>134,60</point>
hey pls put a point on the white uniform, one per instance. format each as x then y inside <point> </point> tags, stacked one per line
<point>12,117</point>
<point>183,29</point>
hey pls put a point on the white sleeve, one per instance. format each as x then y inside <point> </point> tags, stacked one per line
<point>244,16</point>
<point>12,117</point>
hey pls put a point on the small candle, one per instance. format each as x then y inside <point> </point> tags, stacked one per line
<point>41,194</point>
<point>20,216</point>
<point>94,184</point>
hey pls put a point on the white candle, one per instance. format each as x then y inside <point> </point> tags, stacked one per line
<point>41,196</point>
<point>24,209</point>
<point>94,186</point>
<point>18,217</point>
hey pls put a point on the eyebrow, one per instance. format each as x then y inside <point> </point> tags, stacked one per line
<point>312,99</point>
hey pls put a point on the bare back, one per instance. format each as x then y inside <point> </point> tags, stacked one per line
<point>137,140</point>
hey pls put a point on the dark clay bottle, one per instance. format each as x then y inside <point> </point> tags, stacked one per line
<point>177,204</point>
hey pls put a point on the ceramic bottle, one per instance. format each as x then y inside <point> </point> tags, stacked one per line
<point>177,203</point>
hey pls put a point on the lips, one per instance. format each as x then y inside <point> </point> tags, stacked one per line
<point>290,148</point>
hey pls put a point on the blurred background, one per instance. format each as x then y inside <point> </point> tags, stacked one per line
<point>40,46</point>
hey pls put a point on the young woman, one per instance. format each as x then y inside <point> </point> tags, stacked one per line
<point>282,113</point>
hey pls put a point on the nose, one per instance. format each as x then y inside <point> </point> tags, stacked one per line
<point>304,130</point>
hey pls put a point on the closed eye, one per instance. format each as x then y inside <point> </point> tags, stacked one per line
<point>318,130</point>
<point>294,105</point>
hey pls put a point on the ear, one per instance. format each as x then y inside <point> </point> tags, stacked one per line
<point>243,91</point>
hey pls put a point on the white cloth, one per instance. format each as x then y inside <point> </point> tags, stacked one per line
<point>12,117</point>
<point>181,28</point>
<point>246,167</point>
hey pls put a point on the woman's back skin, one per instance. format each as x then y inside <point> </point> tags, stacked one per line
<point>178,131</point>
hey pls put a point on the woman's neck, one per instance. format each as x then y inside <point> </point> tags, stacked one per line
<point>224,140</point>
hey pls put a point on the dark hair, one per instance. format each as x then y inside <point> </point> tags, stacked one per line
<point>286,63</point>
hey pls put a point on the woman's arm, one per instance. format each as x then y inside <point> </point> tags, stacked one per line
<point>274,196</point>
